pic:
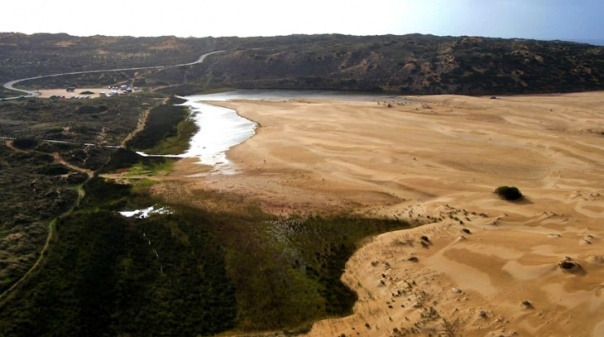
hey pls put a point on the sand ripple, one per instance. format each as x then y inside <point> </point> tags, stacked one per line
<point>492,266</point>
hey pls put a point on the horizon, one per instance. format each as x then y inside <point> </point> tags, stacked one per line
<point>595,42</point>
<point>509,19</point>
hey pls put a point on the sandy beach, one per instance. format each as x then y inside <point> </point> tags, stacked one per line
<point>485,266</point>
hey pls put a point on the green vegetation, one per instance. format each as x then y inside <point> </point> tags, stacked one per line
<point>510,193</point>
<point>192,272</point>
<point>30,55</point>
<point>188,273</point>
<point>36,191</point>
<point>198,271</point>
<point>141,169</point>
<point>128,160</point>
<point>25,143</point>
<point>107,274</point>
<point>287,271</point>
<point>416,64</point>
<point>103,121</point>
<point>168,130</point>
<point>39,186</point>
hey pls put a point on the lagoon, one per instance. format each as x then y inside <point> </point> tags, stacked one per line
<point>222,128</point>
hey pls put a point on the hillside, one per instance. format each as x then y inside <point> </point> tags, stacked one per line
<point>410,64</point>
<point>291,244</point>
<point>416,64</point>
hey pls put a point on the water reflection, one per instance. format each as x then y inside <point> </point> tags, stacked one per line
<point>221,128</point>
<point>262,94</point>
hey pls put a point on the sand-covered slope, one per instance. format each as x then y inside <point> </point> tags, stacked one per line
<point>485,267</point>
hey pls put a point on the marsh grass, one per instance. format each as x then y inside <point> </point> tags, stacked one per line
<point>168,130</point>
<point>195,271</point>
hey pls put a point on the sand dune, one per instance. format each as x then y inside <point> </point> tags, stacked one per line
<point>489,267</point>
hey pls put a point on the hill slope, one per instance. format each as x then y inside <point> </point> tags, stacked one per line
<point>416,64</point>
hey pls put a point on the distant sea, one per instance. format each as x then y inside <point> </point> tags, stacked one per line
<point>595,42</point>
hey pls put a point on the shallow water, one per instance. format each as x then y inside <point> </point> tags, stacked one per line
<point>261,94</point>
<point>221,128</point>
<point>146,212</point>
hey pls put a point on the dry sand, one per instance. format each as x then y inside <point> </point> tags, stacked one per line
<point>440,158</point>
<point>47,93</point>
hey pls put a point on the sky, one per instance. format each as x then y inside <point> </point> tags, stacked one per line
<point>534,19</point>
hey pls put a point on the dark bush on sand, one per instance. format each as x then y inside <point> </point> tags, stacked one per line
<point>510,193</point>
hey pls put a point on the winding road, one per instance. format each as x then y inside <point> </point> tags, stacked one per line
<point>11,84</point>
<point>58,159</point>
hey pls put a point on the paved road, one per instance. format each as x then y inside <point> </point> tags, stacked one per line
<point>11,85</point>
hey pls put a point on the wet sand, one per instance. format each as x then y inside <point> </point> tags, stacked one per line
<point>490,267</point>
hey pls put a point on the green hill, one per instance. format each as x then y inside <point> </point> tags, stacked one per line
<point>413,64</point>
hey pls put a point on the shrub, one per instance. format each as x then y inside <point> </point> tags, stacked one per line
<point>53,170</point>
<point>88,109</point>
<point>25,143</point>
<point>510,193</point>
